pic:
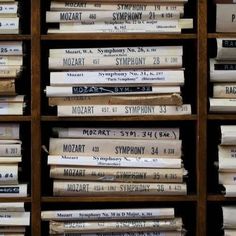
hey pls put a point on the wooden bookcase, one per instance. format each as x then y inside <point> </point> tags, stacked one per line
<point>200,131</point>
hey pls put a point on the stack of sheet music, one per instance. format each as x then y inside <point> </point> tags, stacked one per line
<point>227,162</point>
<point>138,221</point>
<point>87,17</point>
<point>14,219</point>
<point>225,15</point>
<point>11,63</point>
<point>10,156</point>
<point>229,220</point>
<point>223,74</point>
<point>9,19</point>
<point>116,161</point>
<point>119,81</point>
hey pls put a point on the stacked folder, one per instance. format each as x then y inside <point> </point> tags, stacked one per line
<point>140,17</point>
<point>128,161</point>
<point>226,163</point>
<point>11,63</point>
<point>225,15</point>
<point>229,222</point>
<point>10,157</point>
<point>14,219</point>
<point>223,75</point>
<point>9,19</point>
<point>126,81</point>
<point>137,221</point>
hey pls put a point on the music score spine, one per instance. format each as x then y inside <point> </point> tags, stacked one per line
<point>114,147</point>
<point>109,214</point>
<point>153,77</point>
<point>95,161</point>
<point>162,233</point>
<point>56,227</point>
<point>80,188</point>
<point>81,62</point>
<point>74,91</point>
<point>118,174</point>
<point>85,17</point>
<point>118,51</point>
<point>121,110</point>
<point>9,131</point>
<point>89,6</point>
<point>118,133</point>
<point>145,100</point>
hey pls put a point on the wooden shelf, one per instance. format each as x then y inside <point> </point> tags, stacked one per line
<point>15,37</point>
<point>221,35</point>
<point>120,118</point>
<point>121,36</point>
<point>190,198</point>
<point>222,117</point>
<point>15,118</point>
<point>220,198</point>
<point>15,199</point>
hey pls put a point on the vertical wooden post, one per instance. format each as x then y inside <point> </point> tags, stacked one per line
<point>35,118</point>
<point>202,117</point>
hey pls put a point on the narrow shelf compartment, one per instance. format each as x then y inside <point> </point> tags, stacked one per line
<point>15,199</point>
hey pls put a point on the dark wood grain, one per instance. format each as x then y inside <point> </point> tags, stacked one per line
<point>15,37</point>
<point>221,35</point>
<point>35,123</point>
<point>15,118</point>
<point>220,198</point>
<point>15,199</point>
<point>113,36</point>
<point>117,198</point>
<point>222,116</point>
<point>202,99</point>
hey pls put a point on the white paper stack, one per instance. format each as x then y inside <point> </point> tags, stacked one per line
<point>9,17</point>
<point>223,76</point>
<point>119,222</point>
<point>88,17</point>
<point>128,161</point>
<point>227,159</point>
<point>229,222</point>
<point>225,15</point>
<point>117,81</point>
<point>10,157</point>
<point>14,219</point>
<point>11,64</point>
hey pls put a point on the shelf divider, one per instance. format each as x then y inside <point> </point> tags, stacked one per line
<point>36,118</point>
<point>201,163</point>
